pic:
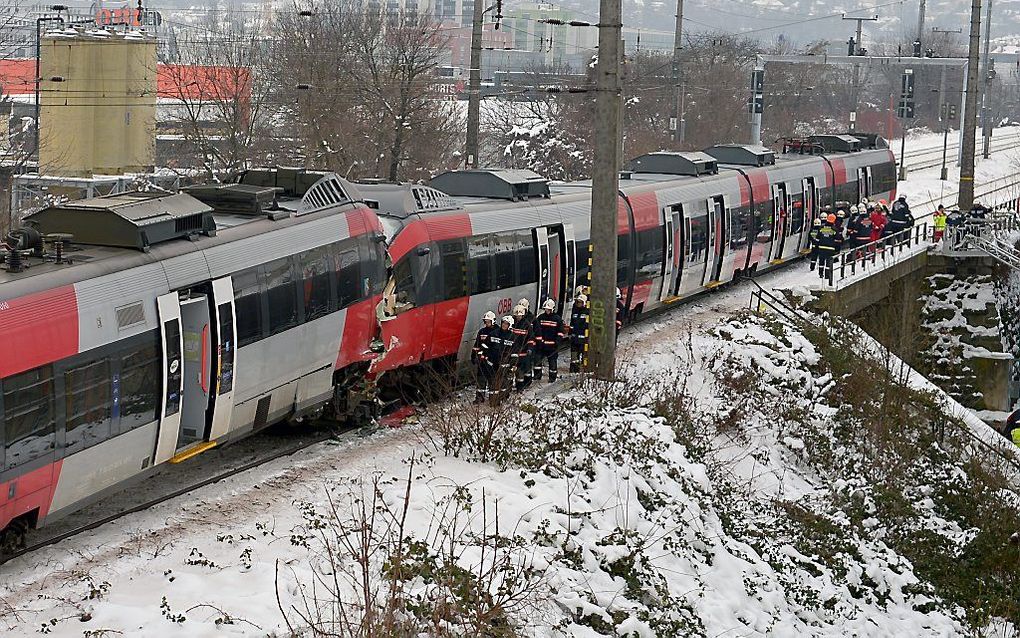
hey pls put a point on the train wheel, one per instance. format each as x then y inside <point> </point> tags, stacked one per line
<point>13,538</point>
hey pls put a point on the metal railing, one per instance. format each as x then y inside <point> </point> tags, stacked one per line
<point>878,254</point>
<point>762,298</point>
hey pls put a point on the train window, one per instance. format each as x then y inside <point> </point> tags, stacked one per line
<point>454,269</point>
<point>740,223</point>
<point>651,243</point>
<point>373,265</point>
<point>139,383</point>
<point>504,270</point>
<point>283,307</point>
<point>527,259</point>
<point>29,416</point>
<point>87,405</point>
<point>583,249</point>
<point>348,273</point>
<point>248,306</point>
<point>316,276</point>
<point>697,244</point>
<point>479,254</point>
<point>623,260</point>
<point>404,297</point>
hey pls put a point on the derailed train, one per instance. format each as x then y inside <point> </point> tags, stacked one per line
<point>141,329</point>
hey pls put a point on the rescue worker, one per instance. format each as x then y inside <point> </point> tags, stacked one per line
<point>521,350</point>
<point>501,342</point>
<point>828,246</point>
<point>900,219</point>
<point>862,232</point>
<point>978,211</point>
<point>578,331</point>
<point>816,225</point>
<point>480,357</point>
<point>900,204</point>
<point>878,222</point>
<point>1012,429</point>
<point>939,223</point>
<point>621,312</point>
<point>549,330</point>
<point>530,316</point>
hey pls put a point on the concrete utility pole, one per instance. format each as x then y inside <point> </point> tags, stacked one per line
<point>474,87</point>
<point>857,69</point>
<point>678,116</point>
<point>920,23</point>
<point>966,197</point>
<point>986,84</point>
<point>604,194</point>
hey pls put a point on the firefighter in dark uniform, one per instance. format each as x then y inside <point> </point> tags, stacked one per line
<point>828,246</point>
<point>501,343</point>
<point>578,332</point>
<point>480,356</point>
<point>520,352</point>
<point>816,225</point>
<point>549,330</point>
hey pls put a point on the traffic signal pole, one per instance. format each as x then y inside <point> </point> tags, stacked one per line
<point>604,194</point>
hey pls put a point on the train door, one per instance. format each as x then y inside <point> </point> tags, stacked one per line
<point>810,211</point>
<point>172,347</point>
<point>197,368</point>
<point>696,244</point>
<point>780,221</point>
<point>224,328</point>
<point>570,256</point>
<point>717,239</point>
<point>671,249</point>
<point>542,254</point>
<point>556,270</point>
<point>863,183</point>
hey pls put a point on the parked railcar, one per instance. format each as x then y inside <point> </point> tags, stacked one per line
<point>126,346</point>
<point>478,240</point>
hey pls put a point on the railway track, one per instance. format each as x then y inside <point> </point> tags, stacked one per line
<point>931,156</point>
<point>317,438</point>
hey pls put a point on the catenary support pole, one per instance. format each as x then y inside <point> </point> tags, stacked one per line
<point>985,84</point>
<point>920,23</point>
<point>604,194</point>
<point>474,87</point>
<point>678,114</point>
<point>969,118</point>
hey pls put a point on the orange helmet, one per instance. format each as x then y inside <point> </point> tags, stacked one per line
<point>831,219</point>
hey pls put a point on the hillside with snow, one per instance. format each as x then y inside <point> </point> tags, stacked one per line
<point>733,483</point>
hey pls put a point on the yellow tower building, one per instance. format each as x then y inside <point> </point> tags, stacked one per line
<point>97,102</point>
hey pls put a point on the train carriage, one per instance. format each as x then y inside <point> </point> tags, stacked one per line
<point>136,347</point>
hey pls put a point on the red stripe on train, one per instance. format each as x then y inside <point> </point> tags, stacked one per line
<point>646,211</point>
<point>839,172</point>
<point>32,491</point>
<point>421,231</point>
<point>359,327</point>
<point>38,329</point>
<point>449,320</point>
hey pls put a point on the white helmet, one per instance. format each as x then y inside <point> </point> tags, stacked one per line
<point>619,295</point>
<point>519,310</point>
<point>489,316</point>
<point>855,209</point>
<point>902,196</point>
<point>508,319</point>
<point>525,303</point>
<point>549,304</point>
<point>864,201</point>
<point>582,298</point>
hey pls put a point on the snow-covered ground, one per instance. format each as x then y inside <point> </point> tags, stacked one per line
<point>625,529</point>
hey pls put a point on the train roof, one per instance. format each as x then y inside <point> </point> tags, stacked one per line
<point>117,232</point>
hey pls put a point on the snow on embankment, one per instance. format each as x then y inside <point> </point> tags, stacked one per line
<point>741,481</point>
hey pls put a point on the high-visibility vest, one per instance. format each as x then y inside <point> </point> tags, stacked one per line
<point>940,222</point>
<point>1016,436</point>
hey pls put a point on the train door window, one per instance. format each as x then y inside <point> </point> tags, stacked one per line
<point>504,270</point>
<point>87,405</point>
<point>740,227</point>
<point>29,416</point>
<point>348,273</point>
<point>697,244</point>
<point>454,269</point>
<point>796,214</point>
<point>316,282</point>
<point>527,266</point>
<point>583,248</point>
<point>764,219</point>
<point>479,254</point>
<point>248,306</point>
<point>282,295</point>
<point>139,382</point>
